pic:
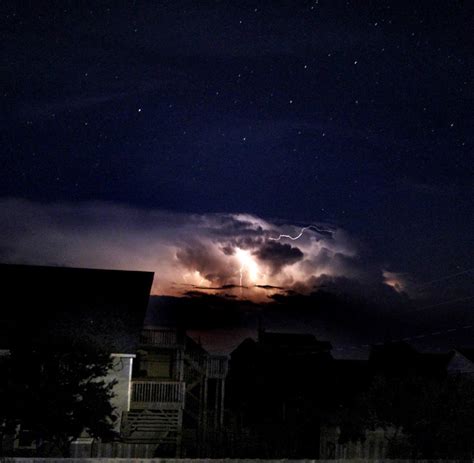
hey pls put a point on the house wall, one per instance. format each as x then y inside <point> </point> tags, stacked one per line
<point>122,373</point>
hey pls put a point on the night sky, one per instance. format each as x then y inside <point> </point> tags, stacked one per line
<point>124,123</point>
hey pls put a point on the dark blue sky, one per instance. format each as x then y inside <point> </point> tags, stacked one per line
<point>353,113</point>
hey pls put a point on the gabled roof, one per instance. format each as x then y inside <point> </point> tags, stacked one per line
<point>42,304</point>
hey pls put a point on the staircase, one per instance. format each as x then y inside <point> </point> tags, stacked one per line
<point>151,426</point>
<point>162,412</point>
<point>195,358</point>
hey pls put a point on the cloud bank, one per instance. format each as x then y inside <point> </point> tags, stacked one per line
<point>239,255</point>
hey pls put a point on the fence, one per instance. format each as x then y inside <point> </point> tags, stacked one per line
<point>205,460</point>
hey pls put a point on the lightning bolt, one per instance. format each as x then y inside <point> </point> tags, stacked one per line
<point>241,271</point>
<point>300,234</point>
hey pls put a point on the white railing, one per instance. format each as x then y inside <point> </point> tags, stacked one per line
<point>158,392</point>
<point>217,366</point>
<point>159,337</point>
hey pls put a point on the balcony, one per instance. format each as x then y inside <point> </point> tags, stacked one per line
<point>149,395</point>
<point>160,337</point>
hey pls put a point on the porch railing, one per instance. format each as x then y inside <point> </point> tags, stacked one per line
<point>156,393</point>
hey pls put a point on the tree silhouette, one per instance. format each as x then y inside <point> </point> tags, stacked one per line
<point>422,417</point>
<point>57,393</point>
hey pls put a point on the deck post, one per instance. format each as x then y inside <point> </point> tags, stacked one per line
<point>221,418</point>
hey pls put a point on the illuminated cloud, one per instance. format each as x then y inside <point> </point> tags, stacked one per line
<point>400,282</point>
<point>239,254</point>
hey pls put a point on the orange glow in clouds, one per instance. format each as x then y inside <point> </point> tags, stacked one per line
<point>248,268</point>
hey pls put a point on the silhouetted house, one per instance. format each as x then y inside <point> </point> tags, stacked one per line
<point>45,305</point>
<point>167,401</point>
<point>347,378</point>
<point>399,359</point>
<point>275,389</point>
<point>394,361</point>
<point>54,306</point>
<point>402,359</point>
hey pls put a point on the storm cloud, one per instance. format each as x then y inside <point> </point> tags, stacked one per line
<point>279,255</point>
<point>245,255</point>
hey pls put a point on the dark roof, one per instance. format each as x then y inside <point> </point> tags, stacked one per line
<point>392,349</point>
<point>294,339</point>
<point>300,342</point>
<point>271,343</point>
<point>247,347</point>
<point>42,304</point>
<point>400,357</point>
<point>350,370</point>
<point>434,362</point>
<point>352,366</point>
